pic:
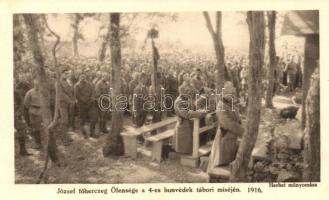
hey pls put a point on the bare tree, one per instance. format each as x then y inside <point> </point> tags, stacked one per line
<point>114,145</point>
<point>125,32</point>
<point>255,20</point>
<point>271,16</point>
<point>102,49</point>
<point>48,140</point>
<point>219,47</point>
<point>76,35</point>
<point>19,41</point>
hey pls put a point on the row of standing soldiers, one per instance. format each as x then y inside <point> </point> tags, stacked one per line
<point>79,97</point>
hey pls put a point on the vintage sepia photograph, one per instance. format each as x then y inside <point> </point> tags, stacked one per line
<point>166,97</point>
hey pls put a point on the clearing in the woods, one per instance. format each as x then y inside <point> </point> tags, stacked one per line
<point>86,164</point>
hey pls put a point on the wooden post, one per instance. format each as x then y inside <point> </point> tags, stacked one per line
<point>196,140</point>
<point>193,161</point>
<point>155,82</point>
<point>157,151</point>
<point>130,145</point>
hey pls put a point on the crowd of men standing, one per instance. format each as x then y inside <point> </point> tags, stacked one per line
<point>84,81</point>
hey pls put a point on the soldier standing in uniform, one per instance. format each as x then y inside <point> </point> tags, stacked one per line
<point>291,72</point>
<point>84,93</point>
<point>140,92</point>
<point>33,109</point>
<point>172,90</point>
<point>72,106</point>
<point>131,87</point>
<point>235,78</point>
<point>22,85</point>
<point>299,74</point>
<point>66,102</point>
<point>102,88</point>
<point>20,124</point>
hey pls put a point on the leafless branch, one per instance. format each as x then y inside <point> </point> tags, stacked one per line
<point>208,22</point>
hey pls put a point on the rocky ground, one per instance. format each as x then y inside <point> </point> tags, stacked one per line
<point>86,164</point>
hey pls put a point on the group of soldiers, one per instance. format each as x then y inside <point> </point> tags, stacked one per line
<point>289,72</point>
<point>84,81</point>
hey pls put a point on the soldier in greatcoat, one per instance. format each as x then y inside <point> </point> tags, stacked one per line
<point>225,145</point>
<point>87,105</point>
<point>32,108</point>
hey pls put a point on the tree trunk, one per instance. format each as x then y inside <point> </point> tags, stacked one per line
<point>46,138</point>
<point>255,20</point>
<point>102,49</point>
<point>114,145</point>
<point>75,45</point>
<point>219,48</point>
<point>271,78</point>
<point>312,131</point>
<point>75,38</point>
<point>312,54</point>
<point>18,38</point>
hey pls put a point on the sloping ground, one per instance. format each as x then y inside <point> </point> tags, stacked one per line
<point>290,128</point>
<point>86,164</point>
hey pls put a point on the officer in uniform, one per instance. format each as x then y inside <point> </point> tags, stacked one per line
<point>87,104</point>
